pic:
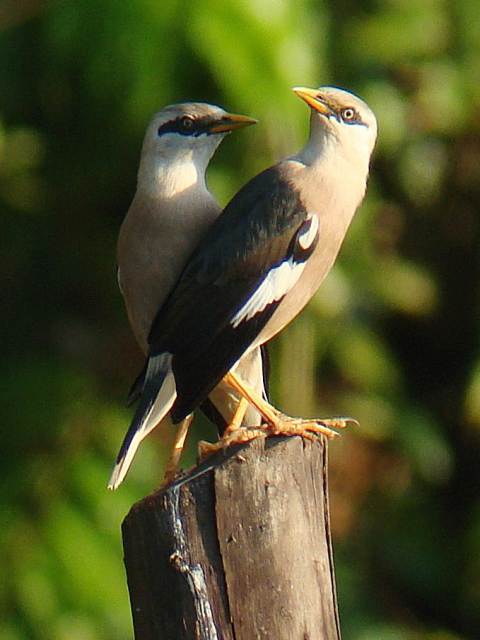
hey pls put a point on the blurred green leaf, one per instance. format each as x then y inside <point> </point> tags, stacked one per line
<point>401,29</point>
<point>472,397</point>
<point>365,361</point>
<point>406,287</point>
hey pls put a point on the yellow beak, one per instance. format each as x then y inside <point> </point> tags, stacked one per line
<point>231,121</point>
<point>314,99</point>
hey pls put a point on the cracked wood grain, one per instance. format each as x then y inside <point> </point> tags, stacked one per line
<point>239,549</point>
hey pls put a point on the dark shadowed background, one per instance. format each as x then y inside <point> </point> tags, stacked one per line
<point>391,338</point>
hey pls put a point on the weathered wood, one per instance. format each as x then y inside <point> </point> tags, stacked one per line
<point>239,549</point>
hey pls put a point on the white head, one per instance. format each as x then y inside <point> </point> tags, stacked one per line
<point>179,143</point>
<point>341,122</point>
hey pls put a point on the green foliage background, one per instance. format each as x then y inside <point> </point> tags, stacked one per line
<point>391,338</point>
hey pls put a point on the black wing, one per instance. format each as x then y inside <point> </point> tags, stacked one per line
<point>258,232</point>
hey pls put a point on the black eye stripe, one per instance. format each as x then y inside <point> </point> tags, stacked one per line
<point>198,126</point>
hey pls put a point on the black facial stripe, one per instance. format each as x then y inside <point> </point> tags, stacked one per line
<point>356,121</point>
<point>199,126</point>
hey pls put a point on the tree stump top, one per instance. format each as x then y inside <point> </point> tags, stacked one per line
<point>238,549</point>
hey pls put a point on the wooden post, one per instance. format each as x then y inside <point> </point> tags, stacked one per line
<point>239,549</point>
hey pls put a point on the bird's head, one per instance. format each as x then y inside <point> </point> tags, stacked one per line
<point>340,120</point>
<point>181,139</point>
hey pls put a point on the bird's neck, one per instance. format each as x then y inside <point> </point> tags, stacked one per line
<point>158,178</point>
<point>328,175</point>
<point>323,161</point>
<point>323,149</point>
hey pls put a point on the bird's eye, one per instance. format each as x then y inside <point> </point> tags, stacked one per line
<point>186,123</point>
<point>348,114</point>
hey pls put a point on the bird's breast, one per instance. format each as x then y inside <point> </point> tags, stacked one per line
<point>335,209</point>
<point>155,242</point>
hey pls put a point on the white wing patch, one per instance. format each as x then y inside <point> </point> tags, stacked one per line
<point>305,239</point>
<point>275,285</point>
<point>279,280</point>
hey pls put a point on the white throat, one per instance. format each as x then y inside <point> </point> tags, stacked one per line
<point>337,145</point>
<point>159,177</point>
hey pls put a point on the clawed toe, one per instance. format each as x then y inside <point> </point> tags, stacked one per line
<point>284,425</point>
<point>238,436</point>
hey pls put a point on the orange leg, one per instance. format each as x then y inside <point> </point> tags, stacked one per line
<point>280,424</point>
<point>237,419</point>
<point>173,461</point>
<point>277,422</point>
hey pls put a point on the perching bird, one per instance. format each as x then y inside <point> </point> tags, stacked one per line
<point>171,211</point>
<point>259,264</point>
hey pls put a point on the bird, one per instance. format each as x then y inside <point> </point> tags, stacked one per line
<point>257,267</point>
<point>171,210</point>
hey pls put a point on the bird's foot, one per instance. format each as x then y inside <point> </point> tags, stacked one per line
<point>237,436</point>
<point>309,428</point>
<point>284,425</point>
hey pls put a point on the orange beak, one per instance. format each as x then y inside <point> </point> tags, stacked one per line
<point>314,99</point>
<point>231,121</point>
